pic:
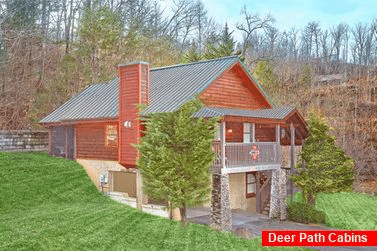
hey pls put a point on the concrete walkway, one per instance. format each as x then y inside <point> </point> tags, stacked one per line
<point>250,225</point>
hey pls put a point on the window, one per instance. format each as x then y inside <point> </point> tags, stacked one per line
<point>248,132</point>
<point>251,184</point>
<point>111,136</point>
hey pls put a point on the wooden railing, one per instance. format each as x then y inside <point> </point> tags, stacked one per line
<point>247,154</point>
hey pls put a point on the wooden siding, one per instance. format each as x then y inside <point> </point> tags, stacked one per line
<point>133,90</point>
<point>90,142</point>
<point>265,133</point>
<point>234,89</point>
<point>234,132</point>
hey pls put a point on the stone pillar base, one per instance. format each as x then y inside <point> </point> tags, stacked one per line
<point>278,201</point>
<point>221,216</point>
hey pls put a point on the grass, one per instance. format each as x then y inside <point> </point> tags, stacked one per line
<point>352,211</point>
<point>49,203</point>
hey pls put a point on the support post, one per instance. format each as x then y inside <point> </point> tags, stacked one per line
<point>139,190</point>
<point>277,152</point>
<point>278,134</point>
<point>274,199</point>
<point>292,159</point>
<point>223,140</point>
<point>221,217</point>
<point>253,132</point>
<point>258,199</point>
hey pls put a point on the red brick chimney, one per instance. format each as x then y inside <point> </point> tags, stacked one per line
<point>133,90</point>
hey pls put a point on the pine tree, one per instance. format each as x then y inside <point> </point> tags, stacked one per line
<point>192,55</point>
<point>176,155</point>
<point>225,46</point>
<point>265,74</point>
<point>327,168</point>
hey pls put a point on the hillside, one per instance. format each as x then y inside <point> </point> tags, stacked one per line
<point>345,93</point>
<point>49,203</point>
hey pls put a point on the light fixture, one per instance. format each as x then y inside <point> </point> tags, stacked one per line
<point>230,130</point>
<point>127,124</point>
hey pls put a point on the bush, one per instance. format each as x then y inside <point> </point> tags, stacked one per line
<point>305,213</point>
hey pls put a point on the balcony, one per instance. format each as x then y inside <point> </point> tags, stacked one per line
<point>243,157</point>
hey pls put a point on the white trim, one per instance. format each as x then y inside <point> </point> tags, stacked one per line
<point>253,133</point>
<point>247,132</point>
<point>244,169</point>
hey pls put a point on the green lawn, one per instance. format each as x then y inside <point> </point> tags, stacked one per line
<point>348,210</point>
<point>49,203</point>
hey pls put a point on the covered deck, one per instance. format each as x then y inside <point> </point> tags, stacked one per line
<point>251,140</point>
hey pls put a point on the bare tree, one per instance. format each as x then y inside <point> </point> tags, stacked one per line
<point>251,23</point>
<point>271,34</point>
<point>360,35</point>
<point>338,35</point>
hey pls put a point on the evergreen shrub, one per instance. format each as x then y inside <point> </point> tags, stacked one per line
<point>305,213</point>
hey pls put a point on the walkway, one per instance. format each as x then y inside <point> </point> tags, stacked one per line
<point>250,225</point>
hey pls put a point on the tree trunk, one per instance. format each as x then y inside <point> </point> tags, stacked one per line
<point>311,199</point>
<point>170,208</point>
<point>182,211</point>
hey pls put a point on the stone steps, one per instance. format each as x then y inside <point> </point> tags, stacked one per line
<point>266,209</point>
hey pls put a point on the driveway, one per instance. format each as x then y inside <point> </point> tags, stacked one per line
<point>249,225</point>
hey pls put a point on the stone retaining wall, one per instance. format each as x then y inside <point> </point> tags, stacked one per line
<point>23,140</point>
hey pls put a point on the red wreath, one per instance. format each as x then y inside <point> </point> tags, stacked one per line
<point>254,152</point>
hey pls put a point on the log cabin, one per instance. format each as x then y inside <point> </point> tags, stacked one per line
<point>99,125</point>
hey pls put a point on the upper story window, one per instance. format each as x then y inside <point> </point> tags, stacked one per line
<point>111,136</point>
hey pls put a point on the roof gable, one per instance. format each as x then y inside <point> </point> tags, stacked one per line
<point>235,89</point>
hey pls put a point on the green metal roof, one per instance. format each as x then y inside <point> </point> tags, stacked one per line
<point>273,113</point>
<point>170,87</point>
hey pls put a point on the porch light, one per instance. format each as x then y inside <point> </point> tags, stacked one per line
<point>127,124</point>
<point>230,130</point>
<point>282,132</point>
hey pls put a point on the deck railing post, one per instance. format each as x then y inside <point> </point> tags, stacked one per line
<point>277,151</point>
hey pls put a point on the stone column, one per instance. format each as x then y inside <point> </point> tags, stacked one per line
<point>274,200</point>
<point>139,190</point>
<point>283,193</point>
<point>221,216</point>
